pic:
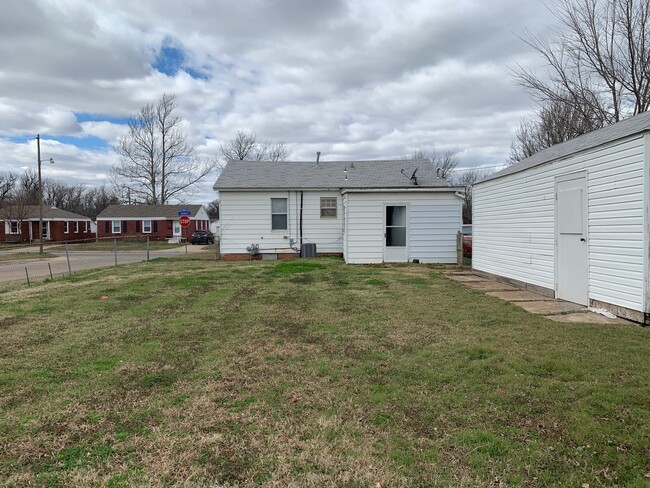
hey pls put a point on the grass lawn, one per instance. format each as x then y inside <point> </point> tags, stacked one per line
<point>310,373</point>
<point>20,256</point>
<point>122,245</point>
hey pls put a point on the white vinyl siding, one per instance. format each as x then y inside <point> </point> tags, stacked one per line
<point>245,220</point>
<point>434,221</point>
<point>514,222</point>
<point>432,232</point>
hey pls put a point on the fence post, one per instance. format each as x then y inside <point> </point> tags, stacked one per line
<point>67,257</point>
<point>217,245</point>
<point>27,274</point>
<point>459,248</point>
<point>49,266</point>
<point>147,248</point>
<point>115,249</point>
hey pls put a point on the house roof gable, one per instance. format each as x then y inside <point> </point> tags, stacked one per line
<point>29,212</point>
<point>168,212</point>
<point>296,175</point>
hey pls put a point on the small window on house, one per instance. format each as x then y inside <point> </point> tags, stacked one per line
<point>279,214</point>
<point>117,227</point>
<point>146,226</point>
<point>76,227</point>
<point>12,227</point>
<point>66,227</point>
<point>328,207</point>
<point>86,225</point>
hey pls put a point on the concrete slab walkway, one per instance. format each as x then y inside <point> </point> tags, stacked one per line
<point>552,309</point>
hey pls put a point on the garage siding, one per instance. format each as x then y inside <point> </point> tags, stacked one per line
<point>514,222</point>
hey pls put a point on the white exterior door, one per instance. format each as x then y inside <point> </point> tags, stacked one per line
<point>46,230</point>
<point>177,228</point>
<point>572,258</point>
<point>395,234</point>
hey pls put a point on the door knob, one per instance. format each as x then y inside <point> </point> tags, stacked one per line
<point>582,239</point>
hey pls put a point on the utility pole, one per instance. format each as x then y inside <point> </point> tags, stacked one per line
<point>40,193</point>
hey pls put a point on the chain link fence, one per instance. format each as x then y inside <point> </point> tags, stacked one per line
<point>20,263</point>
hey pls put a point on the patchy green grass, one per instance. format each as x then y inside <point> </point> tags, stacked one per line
<point>21,256</point>
<point>310,373</point>
<point>122,245</point>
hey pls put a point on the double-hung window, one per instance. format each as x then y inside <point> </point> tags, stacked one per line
<point>327,207</point>
<point>66,227</point>
<point>279,218</point>
<point>12,227</point>
<point>146,226</point>
<point>117,227</point>
<point>76,227</point>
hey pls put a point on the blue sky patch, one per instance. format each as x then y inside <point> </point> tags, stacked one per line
<point>86,142</point>
<point>172,58</point>
<point>88,117</point>
<point>169,60</point>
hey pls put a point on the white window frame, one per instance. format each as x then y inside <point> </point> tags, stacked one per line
<point>285,213</point>
<point>144,227</point>
<point>9,229</point>
<point>119,226</point>
<point>66,227</point>
<point>326,200</point>
<point>76,227</point>
<point>86,227</point>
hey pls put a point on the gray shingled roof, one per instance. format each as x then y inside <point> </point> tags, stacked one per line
<point>628,127</point>
<point>168,212</point>
<point>268,175</point>
<point>28,212</point>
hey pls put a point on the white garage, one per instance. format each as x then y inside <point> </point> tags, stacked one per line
<point>572,221</point>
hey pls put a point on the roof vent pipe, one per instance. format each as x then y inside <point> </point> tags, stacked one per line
<point>317,156</point>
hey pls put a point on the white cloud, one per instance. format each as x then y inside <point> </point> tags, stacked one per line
<point>356,79</point>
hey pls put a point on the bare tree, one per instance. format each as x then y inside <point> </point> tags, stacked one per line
<point>599,64</point>
<point>555,122</point>
<point>156,161</point>
<point>246,146</point>
<point>27,188</point>
<point>446,161</point>
<point>467,178</point>
<point>213,209</point>
<point>7,186</point>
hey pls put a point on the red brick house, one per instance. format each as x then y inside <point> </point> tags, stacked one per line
<point>159,222</point>
<point>20,224</point>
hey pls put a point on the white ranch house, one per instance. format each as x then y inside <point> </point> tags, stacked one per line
<point>367,211</point>
<point>573,220</point>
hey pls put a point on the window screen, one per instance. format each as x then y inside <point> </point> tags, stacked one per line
<point>279,213</point>
<point>328,207</point>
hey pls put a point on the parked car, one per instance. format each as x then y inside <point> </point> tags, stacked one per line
<point>202,237</point>
<point>467,240</point>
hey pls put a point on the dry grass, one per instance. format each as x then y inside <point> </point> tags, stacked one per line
<point>310,374</point>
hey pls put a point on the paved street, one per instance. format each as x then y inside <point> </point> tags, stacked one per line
<point>79,260</point>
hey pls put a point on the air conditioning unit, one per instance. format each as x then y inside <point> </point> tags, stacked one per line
<point>308,250</point>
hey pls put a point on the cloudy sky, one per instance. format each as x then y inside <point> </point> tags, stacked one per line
<point>354,79</point>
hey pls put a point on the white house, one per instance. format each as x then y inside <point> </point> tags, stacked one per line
<point>573,220</point>
<point>368,211</point>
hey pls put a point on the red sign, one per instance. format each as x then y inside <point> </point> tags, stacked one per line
<point>184,221</point>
